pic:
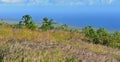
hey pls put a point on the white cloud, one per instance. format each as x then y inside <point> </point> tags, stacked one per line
<point>11,1</point>
<point>107,1</point>
<point>38,2</point>
<point>55,2</point>
<point>110,1</point>
<point>59,2</point>
<point>91,2</point>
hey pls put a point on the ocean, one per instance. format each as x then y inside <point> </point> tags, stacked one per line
<point>110,21</point>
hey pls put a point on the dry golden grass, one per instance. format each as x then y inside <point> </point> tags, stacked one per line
<point>69,46</point>
<point>72,51</point>
<point>28,35</point>
<point>23,53</point>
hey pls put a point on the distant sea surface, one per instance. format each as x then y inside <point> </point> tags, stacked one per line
<point>110,21</point>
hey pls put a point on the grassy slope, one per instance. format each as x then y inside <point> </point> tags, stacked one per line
<point>24,45</point>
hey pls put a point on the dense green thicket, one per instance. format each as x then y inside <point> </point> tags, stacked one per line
<point>102,36</point>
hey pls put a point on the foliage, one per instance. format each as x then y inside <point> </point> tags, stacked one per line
<point>28,22</point>
<point>102,32</point>
<point>115,40</point>
<point>96,36</point>
<point>70,59</point>
<point>102,36</point>
<point>89,31</point>
<point>47,24</point>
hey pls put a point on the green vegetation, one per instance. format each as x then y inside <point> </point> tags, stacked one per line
<point>102,36</point>
<point>96,36</point>
<point>28,22</point>
<point>47,25</point>
<point>27,42</point>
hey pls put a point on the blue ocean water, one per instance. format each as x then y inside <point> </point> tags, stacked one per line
<point>110,21</point>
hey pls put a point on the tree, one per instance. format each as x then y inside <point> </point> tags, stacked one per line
<point>26,19</point>
<point>28,22</point>
<point>47,24</point>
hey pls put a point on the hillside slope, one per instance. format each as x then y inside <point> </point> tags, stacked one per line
<point>74,50</point>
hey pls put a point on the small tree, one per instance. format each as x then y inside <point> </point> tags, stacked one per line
<point>28,22</point>
<point>27,19</point>
<point>47,24</point>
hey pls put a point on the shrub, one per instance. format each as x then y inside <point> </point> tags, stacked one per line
<point>89,31</point>
<point>102,36</point>
<point>47,25</point>
<point>102,32</point>
<point>28,22</point>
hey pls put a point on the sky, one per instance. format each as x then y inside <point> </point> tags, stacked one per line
<point>46,3</point>
<point>59,6</point>
<point>58,2</point>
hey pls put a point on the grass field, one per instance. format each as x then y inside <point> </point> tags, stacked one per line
<point>24,45</point>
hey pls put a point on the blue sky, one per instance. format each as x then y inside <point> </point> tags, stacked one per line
<point>58,2</point>
<point>60,5</point>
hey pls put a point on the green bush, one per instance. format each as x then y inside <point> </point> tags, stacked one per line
<point>89,31</point>
<point>47,24</point>
<point>102,32</point>
<point>28,22</point>
<point>102,36</point>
